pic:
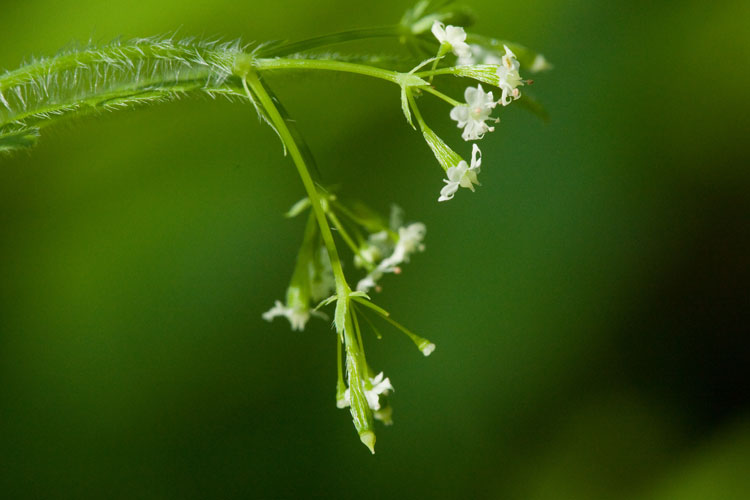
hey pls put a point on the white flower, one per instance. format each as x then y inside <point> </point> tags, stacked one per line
<point>378,386</point>
<point>297,316</point>
<point>462,175</point>
<point>472,115</point>
<point>509,77</point>
<point>452,36</point>
<point>296,310</point>
<point>409,241</point>
<point>480,55</point>
<point>369,282</point>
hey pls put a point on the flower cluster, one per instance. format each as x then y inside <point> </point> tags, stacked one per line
<point>381,246</point>
<point>382,252</point>
<point>385,250</point>
<point>474,115</point>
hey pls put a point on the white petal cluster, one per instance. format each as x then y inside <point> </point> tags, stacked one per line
<point>462,175</point>
<point>378,385</point>
<point>509,77</point>
<point>480,55</point>
<point>409,242</point>
<point>297,316</point>
<point>454,37</point>
<point>473,115</point>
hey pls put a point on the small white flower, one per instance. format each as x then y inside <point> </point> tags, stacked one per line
<point>296,310</point>
<point>453,36</point>
<point>472,115</point>
<point>462,175</point>
<point>480,55</point>
<point>297,316</point>
<point>369,282</point>
<point>409,241</point>
<point>509,77</point>
<point>378,385</point>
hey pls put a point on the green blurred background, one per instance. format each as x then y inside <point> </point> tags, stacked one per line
<point>590,302</point>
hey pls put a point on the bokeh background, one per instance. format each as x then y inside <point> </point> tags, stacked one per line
<point>590,302</point>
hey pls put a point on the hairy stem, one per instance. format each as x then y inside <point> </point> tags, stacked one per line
<point>327,65</point>
<point>97,79</point>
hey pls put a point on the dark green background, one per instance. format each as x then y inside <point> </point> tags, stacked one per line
<point>590,302</point>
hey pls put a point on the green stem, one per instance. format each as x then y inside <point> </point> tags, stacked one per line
<point>361,414</point>
<point>342,288</point>
<point>442,96</point>
<point>348,239</point>
<point>415,109</point>
<point>443,71</point>
<point>441,53</point>
<point>328,65</point>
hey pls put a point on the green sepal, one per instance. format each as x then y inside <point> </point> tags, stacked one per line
<point>372,306</point>
<point>444,154</point>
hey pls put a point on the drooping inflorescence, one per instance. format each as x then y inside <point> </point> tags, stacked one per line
<point>100,78</point>
<point>379,248</point>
